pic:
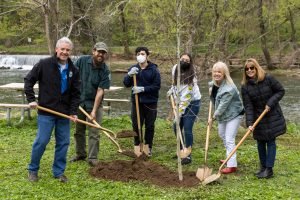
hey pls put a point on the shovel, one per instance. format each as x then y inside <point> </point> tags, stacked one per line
<point>214,177</point>
<point>185,151</point>
<point>125,152</point>
<point>142,148</point>
<point>203,173</point>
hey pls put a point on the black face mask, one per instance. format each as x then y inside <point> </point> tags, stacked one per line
<point>184,65</point>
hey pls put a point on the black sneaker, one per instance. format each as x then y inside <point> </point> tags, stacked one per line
<point>185,161</point>
<point>33,176</point>
<point>77,158</point>
<point>62,178</point>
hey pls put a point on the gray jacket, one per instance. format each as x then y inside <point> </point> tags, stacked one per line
<point>228,104</point>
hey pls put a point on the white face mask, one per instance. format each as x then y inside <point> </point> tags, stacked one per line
<point>141,59</point>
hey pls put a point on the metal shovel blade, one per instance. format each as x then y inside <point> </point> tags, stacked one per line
<point>185,152</point>
<point>137,151</point>
<point>146,149</point>
<point>211,178</point>
<point>203,173</point>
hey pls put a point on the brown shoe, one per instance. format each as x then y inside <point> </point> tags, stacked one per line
<point>93,162</point>
<point>33,176</point>
<point>62,178</point>
<point>77,158</point>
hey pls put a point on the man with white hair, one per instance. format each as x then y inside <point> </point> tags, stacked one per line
<point>59,90</point>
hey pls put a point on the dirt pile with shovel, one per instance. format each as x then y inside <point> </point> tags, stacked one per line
<point>142,169</point>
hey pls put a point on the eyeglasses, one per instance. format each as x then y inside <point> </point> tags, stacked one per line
<point>251,68</point>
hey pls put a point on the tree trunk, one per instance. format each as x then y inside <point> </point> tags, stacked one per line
<point>51,24</point>
<point>293,30</point>
<point>125,37</point>
<point>263,39</point>
<point>206,63</point>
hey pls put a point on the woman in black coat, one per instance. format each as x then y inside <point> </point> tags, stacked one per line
<point>260,91</point>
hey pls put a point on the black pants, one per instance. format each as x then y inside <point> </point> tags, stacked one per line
<point>148,113</point>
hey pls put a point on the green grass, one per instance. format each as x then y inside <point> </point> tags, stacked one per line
<point>15,148</point>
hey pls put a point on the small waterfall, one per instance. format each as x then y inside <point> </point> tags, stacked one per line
<point>24,62</point>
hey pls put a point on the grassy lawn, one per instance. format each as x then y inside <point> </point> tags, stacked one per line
<point>15,149</point>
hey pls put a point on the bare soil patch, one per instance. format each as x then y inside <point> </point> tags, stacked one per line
<point>143,170</point>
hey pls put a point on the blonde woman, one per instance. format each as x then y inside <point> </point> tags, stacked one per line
<point>228,110</point>
<point>260,91</point>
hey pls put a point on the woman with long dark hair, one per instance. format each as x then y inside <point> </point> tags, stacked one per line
<point>189,97</point>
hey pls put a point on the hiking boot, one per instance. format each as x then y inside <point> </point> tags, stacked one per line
<point>77,158</point>
<point>228,170</point>
<point>267,173</point>
<point>33,176</point>
<point>93,162</point>
<point>260,171</point>
<point>62,178</point>
<point>187,160</point>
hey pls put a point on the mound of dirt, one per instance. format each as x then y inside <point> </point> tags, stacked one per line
<point>126,133</point>
<point>142,170</point>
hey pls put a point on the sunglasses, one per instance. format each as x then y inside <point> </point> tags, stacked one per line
<point>251,68</point>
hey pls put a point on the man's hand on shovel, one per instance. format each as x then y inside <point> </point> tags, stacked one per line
<point>74,118</point>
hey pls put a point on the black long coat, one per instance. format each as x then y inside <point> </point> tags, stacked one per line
<point>255,97</point>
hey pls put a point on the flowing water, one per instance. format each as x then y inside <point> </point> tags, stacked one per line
<point>290,102</point>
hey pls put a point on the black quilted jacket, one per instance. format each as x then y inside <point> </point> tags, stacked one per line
<point>255,97</point>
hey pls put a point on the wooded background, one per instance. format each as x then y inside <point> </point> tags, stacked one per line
<point>209,29</point>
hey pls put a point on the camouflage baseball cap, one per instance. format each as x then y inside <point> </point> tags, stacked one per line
<point>101,46</point>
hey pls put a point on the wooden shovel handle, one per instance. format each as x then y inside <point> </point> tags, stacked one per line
<point>208,131</point>
<point>244,137</point>
<point>175,114</point>
<point>96,123</point>
<point>66,116</point>
<point>137,110</point>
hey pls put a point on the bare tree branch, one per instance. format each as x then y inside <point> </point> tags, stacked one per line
<point>79,19</point>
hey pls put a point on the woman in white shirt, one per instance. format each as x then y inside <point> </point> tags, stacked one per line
<point>189,99</point>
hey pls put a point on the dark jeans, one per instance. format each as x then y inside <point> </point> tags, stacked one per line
<point>148,113</point>
<point>187,121</point>
<point>266,152</point>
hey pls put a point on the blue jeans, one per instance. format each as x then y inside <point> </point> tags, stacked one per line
<point>46,125</point>
<point>187,122</point>
<point>266,152</point>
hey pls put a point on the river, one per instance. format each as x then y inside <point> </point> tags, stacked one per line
<point>290,102</point>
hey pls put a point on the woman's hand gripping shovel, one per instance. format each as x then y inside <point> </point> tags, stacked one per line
<point>214,177</point>
<point>203,173</point>
<point>120,150</point>
<point>185,151</point>
<point>142,148</point>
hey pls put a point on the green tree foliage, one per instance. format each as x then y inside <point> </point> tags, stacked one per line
<point>212,29</point>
